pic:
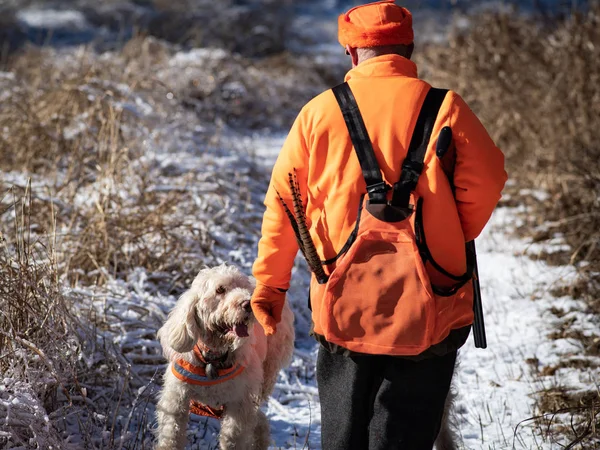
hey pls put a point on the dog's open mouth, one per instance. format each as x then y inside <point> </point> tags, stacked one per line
<point>239,329</point>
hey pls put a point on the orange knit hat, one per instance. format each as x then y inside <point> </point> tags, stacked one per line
<point>375,24</point>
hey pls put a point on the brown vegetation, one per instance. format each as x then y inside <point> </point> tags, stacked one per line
<point>99,206</point>
<point>96,196</point>
<point>536,86</point>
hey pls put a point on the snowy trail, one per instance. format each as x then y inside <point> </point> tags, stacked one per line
<point>495,386</point>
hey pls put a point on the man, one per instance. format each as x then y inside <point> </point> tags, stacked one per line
<point>393,398</point>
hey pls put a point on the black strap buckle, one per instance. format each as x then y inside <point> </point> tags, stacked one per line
<point>413,166</point>
<point>411,171</point>
<point>378,188</point>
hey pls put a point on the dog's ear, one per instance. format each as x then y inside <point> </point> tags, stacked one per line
<point>177,332</point>
<point>252,282</point>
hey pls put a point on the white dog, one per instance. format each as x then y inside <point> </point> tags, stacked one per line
<point>220,357</point>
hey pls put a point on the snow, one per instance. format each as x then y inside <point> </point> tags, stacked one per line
<point>197,56</point>
<point>53,18</point>
<point>496,387</point>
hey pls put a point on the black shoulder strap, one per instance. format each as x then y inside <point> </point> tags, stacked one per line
<point>413,163</point>
<point>376,187</point>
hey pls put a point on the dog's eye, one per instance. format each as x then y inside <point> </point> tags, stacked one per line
<point>220,290</point>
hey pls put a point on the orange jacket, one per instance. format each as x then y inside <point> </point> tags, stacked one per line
<point>318,147</point>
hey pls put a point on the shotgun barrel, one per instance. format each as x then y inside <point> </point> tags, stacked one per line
<point>478,322</point>
<point>448,161</point>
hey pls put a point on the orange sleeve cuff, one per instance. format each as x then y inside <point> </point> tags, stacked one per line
<point>266,294</point>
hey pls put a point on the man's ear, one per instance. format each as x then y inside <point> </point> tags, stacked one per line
<point>353,54</point>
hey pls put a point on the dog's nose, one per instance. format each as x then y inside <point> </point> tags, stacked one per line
<point>246,306</point>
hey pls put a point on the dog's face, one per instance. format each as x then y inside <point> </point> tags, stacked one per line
<point>216,310</point>
<point>223,303</point>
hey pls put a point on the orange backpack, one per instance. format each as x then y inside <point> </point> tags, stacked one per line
<point>378,298</point>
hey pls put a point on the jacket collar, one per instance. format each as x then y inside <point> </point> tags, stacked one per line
<point>384,66</point>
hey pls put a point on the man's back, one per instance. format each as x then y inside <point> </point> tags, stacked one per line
<point>319,149</point>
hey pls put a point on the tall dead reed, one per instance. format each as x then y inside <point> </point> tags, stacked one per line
<point>37,330</point>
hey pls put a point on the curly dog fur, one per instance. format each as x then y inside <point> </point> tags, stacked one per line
<point>216,312</point>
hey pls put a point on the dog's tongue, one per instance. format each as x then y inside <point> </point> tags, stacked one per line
<point>241,330</point>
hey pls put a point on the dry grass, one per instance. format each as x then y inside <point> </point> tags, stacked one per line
<point>33,307</point>
<point>74,123</point>
<point>77,121</point>
<point>568,415</point>
<point>115,236</point>
<point>71,125</point>
<point>267,93</point>
<point>536,86</point>
<point>91,213</point>
<point>110,211</point>
<point>37,329</point>
<point>60,376</point>
<point>64,120</point>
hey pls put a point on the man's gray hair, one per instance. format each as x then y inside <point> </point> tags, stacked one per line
<point>372,52</point>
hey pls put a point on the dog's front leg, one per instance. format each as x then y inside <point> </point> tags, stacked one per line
<point>172,411</point>
<point>239,424</point>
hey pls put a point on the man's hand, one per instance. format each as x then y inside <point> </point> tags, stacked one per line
<point>267,306</point>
